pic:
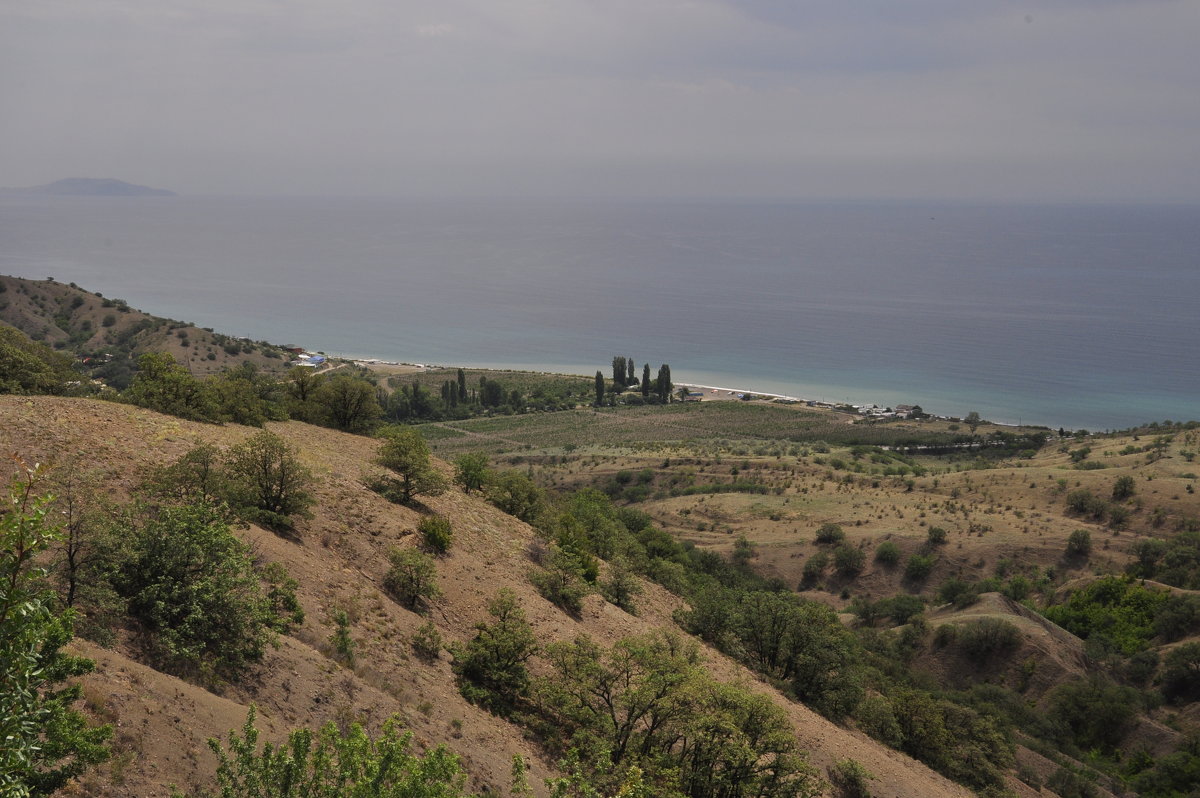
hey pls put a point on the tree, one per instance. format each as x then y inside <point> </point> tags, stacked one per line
<point>848,560</point>
<point>406,454</point>
<point>662,385</point>
<point>599,389</point>
<point>196,594</point>
<point>267,482</point>
<point>28,367</point>
<point>471,471</point>
<point>516,494</point>
<point>333,764</point>
<point>45,741</point>
<point>618,371</point>
<point>163,385</point>
<point>348,403</point>
<point>411,579</point>
<point>630,379</point>
<point>645,380</point>
<point>562,580</point>
<point>462,387</point>
<point>973,420</point>
<point>1123,488</point>
<point>491,666</point>
<point>1079,544</point>
<point>436,533</point>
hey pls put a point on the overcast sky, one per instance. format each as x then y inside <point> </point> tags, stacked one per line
<point>1071,99</point>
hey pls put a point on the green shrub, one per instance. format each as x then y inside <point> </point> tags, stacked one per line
<point>411,579</point>
<point>918,568</point>
<point>887,553</point>
<point>1079,544</point>
<point>561,581</point>
<point>333,763</point>
<point>192,586</point>
<point>848,561</point>
<point>427,641</point>
<point>830,533</point>
<point>850,779</point>
<point>986,638</point>
<point>491,666</point>
<point>936,536</point>
<point>343,644</point>
<point>436,533</point>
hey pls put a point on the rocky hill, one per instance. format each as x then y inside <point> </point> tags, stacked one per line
<point>106,335</point>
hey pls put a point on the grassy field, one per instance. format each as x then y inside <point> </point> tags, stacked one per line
<point>756,425</point>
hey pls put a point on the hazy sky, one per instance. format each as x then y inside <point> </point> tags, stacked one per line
<point>1068,99</point>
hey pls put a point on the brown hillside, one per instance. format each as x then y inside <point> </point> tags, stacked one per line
<point>71,319</point>
<point>339,560</point>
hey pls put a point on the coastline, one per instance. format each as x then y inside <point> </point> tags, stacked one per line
<point>709,392</point>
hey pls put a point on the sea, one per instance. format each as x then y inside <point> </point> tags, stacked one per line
<point>1082,316</point>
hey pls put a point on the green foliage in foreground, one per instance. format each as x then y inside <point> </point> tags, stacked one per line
<point>194,590</point>
<point>647,703</point>
<point>332,764</point>
<point>43,741</point>
<point>1118,614</point>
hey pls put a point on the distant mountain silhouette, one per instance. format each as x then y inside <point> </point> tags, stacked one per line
<point>91,187</point>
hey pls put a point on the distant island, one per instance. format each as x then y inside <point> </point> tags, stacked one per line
<point>91,187</point>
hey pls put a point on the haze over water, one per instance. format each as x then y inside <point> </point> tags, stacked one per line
<point>1081,316</point>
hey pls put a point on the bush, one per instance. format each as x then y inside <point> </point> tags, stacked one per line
<point>266,481</point>
<point>411,578</point>
<point>986,638</point>
<point>1079,544</point>
<point>814,569</point>
<point>1084,502</point>
<point>436,533</point>
<point>850,779</point>
<point>490,667</point>
<point>887,553</point>
<point>427,641</point>
<point>830,533</point>
<point>192,586</point>
<point>561,581</point>
<point>848,561</point>
<point>918,568</point>
<point>1123,488</point>
<point>333,762</point>
<point>936,536</point>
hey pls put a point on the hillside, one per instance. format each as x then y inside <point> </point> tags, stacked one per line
<point>339,559</point>
<point>106,335</point>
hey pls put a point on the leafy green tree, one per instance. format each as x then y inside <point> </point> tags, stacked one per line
<point>662,385</point>
<point>973,420</point>
<point>1079,544</point>
<point>830,533</point>
<point>244,396</point>
<point>412,578</point>
<point>45,742</point>
<point>618,371</point>
<point>918,568</point>
<point>630,379</point>
<point>645,380</point>
<point>28,367</point>
<point>599,389</point>
<point>332,764</point>
<point>197,477</point>
<point>406,454</point>
<point>491,666</point>
<point>517,495</point>
<point>848,561</point>
<point>562,581</point>
<point>1181,673</point>
<point>194,590</point>
<point>348,403</point>
<point>267,482</point>
<point>622,586</point>
<point>303,383</point>
<point>163,385</point>
<point>471,471</point>
<point>436,533</point>
<point>1123,488</point>
<point>887,553</point>
<point>343,644</point>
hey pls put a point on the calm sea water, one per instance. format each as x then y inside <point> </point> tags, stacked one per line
<point>1083,316</point>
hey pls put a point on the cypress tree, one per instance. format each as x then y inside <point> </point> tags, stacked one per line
<point>646,380</point>
<point>618,370</point>
<point>599,388</point>
<point>462,386</point>
<point>630,379</point>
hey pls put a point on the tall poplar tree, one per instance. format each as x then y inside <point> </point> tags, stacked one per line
<point>646,380</point>
<point>599,388</point>
<point>618,371</point>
